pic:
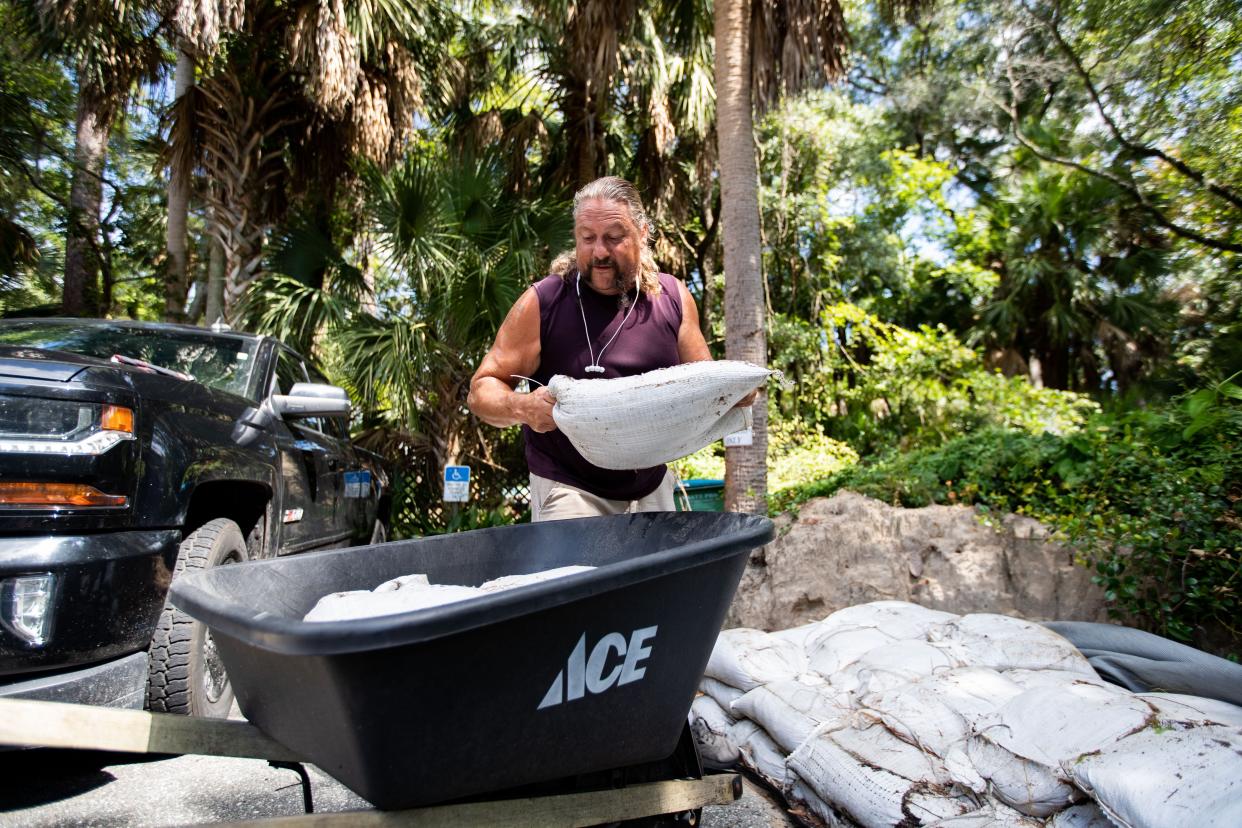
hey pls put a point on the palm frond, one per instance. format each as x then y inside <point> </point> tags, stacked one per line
<point>410,212</point>
<point>18,248</point>
<point>795,44</point>
<point>908,10</point>
<point>292,310</point>
<point>389,359</point>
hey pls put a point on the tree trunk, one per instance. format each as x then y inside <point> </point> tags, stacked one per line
<point>746,474</point>
<point>244,162</point>
<point>94,123</point>
<point>176,275</point>
<point>215,284</point>
<point>584,129</point>
<point>705,259</point>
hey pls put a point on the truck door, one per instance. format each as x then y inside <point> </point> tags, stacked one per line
<point>354,491</point>
<point>312,471</point>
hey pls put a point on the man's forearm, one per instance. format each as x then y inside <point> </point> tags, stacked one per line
<point>495,403</point>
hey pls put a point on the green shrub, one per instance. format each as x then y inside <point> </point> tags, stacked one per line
<point>876,385</point>
<point>706,463</point>
<point>992,467</point>
<point>797,454</point>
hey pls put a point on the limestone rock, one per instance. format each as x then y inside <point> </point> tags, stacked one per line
<point>848,549</point>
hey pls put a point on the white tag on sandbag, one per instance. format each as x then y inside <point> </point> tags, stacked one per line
<point>744,436</point>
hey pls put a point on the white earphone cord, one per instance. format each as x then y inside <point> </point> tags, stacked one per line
<point>595,367</point>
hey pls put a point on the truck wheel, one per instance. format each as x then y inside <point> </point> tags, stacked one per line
<point>185,673</point>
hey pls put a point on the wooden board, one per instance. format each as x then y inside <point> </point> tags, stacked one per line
<point>561,811</point>
<point>54,724</point>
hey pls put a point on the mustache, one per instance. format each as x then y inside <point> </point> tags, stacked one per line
<point>603,263</point>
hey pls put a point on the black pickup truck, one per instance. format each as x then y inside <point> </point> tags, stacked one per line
<point>131,452</point>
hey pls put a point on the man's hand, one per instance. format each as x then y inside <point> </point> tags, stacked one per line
<point>514,353</point>
<point>748,399</point>
<point>535,409</point>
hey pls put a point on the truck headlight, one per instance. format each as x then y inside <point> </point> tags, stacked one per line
<point>32,425</point>
<point>30,494</point>
<point>25,606</point>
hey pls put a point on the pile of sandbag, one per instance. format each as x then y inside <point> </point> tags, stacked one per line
<point>414,592</point>
<point>892,714</point>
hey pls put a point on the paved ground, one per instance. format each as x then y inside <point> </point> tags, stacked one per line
<point>56,787</point>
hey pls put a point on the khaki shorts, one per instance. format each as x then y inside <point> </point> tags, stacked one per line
<point>550,500</point>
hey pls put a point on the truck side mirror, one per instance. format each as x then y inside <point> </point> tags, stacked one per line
<point>311,399</point>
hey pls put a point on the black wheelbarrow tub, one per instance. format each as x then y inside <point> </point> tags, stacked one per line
<point>585,673</point>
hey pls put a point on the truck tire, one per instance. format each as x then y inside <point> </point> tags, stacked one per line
<point>185,674</point>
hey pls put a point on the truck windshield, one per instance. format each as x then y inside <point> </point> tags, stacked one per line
<point>217,360</point>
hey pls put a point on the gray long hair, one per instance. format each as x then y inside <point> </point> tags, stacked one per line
<point>611,188</point>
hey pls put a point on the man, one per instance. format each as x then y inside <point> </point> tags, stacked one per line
<point>604,312</point>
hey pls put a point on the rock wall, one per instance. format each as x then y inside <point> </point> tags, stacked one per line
<point>849,549</point>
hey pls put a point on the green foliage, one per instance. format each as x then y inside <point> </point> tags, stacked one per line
<point>133,239</point>
<point>850,215</point>
<point>1079,288</point>
<point>1149,498</point>
<point>993,466</point>
<point>878,385</point>
<point>310,287</point>
<point>476,517</point>
<point>36,118</point>
<point>797,454</point>
<point>1208,342</point>
<point>1082,139</point>
<point>707,463</point>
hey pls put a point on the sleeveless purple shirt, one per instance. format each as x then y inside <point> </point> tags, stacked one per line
<point>647,342</point>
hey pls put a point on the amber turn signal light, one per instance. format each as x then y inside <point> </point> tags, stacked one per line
<point>38,495</point>
<point>117,418</point>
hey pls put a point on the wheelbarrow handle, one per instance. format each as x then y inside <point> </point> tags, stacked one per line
<point>28,723</point>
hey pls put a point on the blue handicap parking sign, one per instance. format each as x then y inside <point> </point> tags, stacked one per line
<point>457,483</point>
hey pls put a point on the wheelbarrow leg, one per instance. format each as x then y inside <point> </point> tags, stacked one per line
<point>308,804</point>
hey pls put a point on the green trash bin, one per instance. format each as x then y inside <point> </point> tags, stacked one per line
<point>704,496</point>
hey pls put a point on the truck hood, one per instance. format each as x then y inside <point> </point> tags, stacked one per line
<point>38,364</point>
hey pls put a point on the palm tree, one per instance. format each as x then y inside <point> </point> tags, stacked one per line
<point>764,49</point>
<point>666,145</point>
<point>24,142</point>
<point>745,337</point>
<point>519,82</point>
<point>455,250</point>
<point>111,47</point>
<point>1079,299</point>
<point>290,95</point>
<point>176,276</point>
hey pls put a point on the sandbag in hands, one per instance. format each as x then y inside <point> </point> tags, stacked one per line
<point>653,418</point>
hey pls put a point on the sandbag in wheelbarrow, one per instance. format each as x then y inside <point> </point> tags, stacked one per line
<point>584,673</point>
